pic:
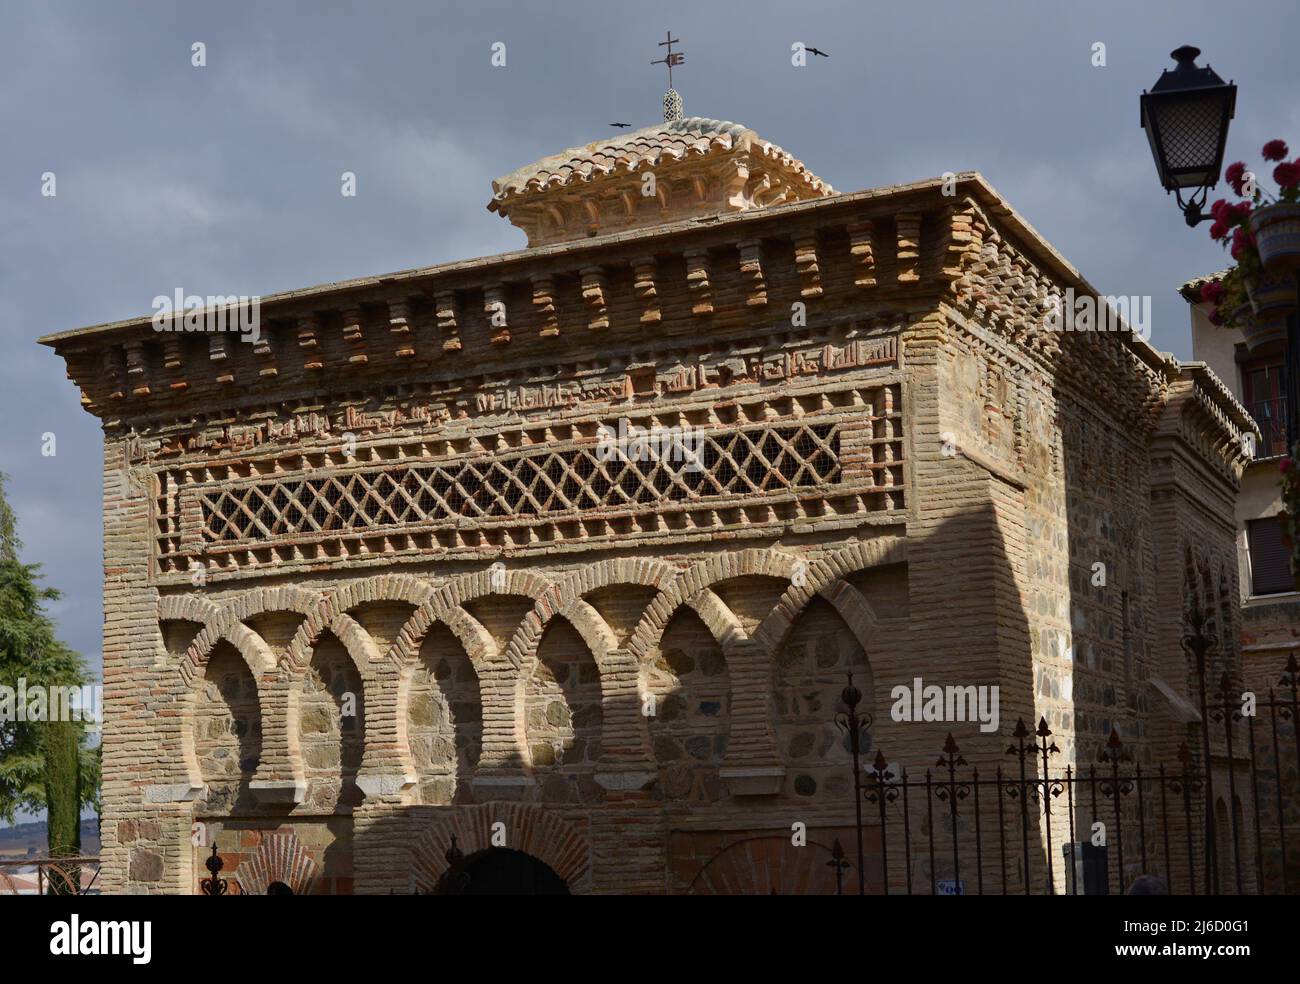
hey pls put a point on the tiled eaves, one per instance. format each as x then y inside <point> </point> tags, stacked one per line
<point>1191,290</point>
<point>1215,388</point>
<point>496,264</point>
<point>667,237</point>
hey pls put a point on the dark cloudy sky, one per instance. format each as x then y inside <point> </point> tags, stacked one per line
<point>225,179</point>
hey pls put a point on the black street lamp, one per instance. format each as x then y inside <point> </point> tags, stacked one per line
<point>1186,116</point>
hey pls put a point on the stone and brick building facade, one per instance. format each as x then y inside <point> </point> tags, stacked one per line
<point>372,584</point>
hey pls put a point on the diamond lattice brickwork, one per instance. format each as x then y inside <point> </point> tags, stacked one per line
<point>533,488</point>
<point>735,463</point>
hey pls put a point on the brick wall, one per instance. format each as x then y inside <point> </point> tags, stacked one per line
<point>917,481</point>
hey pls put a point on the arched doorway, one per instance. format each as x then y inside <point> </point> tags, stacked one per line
<point>770,865</point>
<point>501,871</point>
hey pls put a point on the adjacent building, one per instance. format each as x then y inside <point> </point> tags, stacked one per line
<point>1270,603</point>
<point>1269,629</point>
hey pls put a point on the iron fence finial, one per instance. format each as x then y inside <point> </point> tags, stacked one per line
<point>214,885</point>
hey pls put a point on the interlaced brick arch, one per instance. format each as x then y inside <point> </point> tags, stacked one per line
<point>563,593</point>
<point>501,678</point>
<point>252,649</point>
<point>251,646</point>
<point>532,829</point>
<point>693,587</point>
<point>229,623</point>
<point>446,605</point>
<point>258,659</point>
<point>596,633</point>
<point>332,611</point>
<point>186,608</point>
<point>567,599</point>
<point>623,727</point>
<point>824,578</point>
<point>277,698</point>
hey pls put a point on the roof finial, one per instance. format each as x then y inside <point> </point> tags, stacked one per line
<point>672,98</point>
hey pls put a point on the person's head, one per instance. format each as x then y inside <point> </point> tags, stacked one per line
<point>1148,885</point>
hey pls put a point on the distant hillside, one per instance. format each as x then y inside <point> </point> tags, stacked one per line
<point>32,839</point>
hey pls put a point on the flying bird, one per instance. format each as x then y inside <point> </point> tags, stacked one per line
<point>620,124</point>
<point>818,51</point>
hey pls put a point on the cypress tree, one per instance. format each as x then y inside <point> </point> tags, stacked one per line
<point>61,746</point>
<point>44,765</point>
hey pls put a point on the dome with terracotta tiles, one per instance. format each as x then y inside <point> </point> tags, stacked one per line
<point>668,172</point>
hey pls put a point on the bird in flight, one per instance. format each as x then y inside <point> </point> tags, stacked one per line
<point>620,124</point>
<point>818,51</point>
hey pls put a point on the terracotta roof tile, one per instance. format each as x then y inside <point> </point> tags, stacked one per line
<point>646,148</point>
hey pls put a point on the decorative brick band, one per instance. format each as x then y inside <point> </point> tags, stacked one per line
<point>510,488</point>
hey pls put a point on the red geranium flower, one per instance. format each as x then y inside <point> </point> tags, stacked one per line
<point>1211,292</point>
<point>1275,150</point>
<point>1219,206</point>
<point>1218,230</point>
<point>1284,465</point>
<point>1287,174</point>
<point>1242,209</point>
<point>1236,175</point>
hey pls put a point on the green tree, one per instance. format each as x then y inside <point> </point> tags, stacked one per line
<point>43,765</point>
<point>61,747</point>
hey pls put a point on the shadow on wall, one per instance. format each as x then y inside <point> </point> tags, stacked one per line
<point>227,732</point>
<point>687,831</point>
<point>965,643</point>
<point>1139,554</point>
<point>705,839</point>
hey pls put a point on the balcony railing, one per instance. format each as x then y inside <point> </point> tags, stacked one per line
<point>1270,415</point>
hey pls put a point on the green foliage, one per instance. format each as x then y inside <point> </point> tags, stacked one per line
<point>60,741</point>
<point>29,651</point>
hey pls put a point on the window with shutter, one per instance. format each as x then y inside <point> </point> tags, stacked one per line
<point>1264,385</point>
<point>1270,566</point>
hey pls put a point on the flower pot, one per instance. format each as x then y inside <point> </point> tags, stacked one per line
<point>1272,301</point>
<point>1276,229</point>
<point>1256,332</point>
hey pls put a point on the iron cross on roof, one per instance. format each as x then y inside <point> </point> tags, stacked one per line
<point>674,57</point>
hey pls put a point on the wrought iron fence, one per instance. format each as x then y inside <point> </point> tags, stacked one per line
<point>50,876</point>
<point>1032,828</point>
<point>1028,828</point>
